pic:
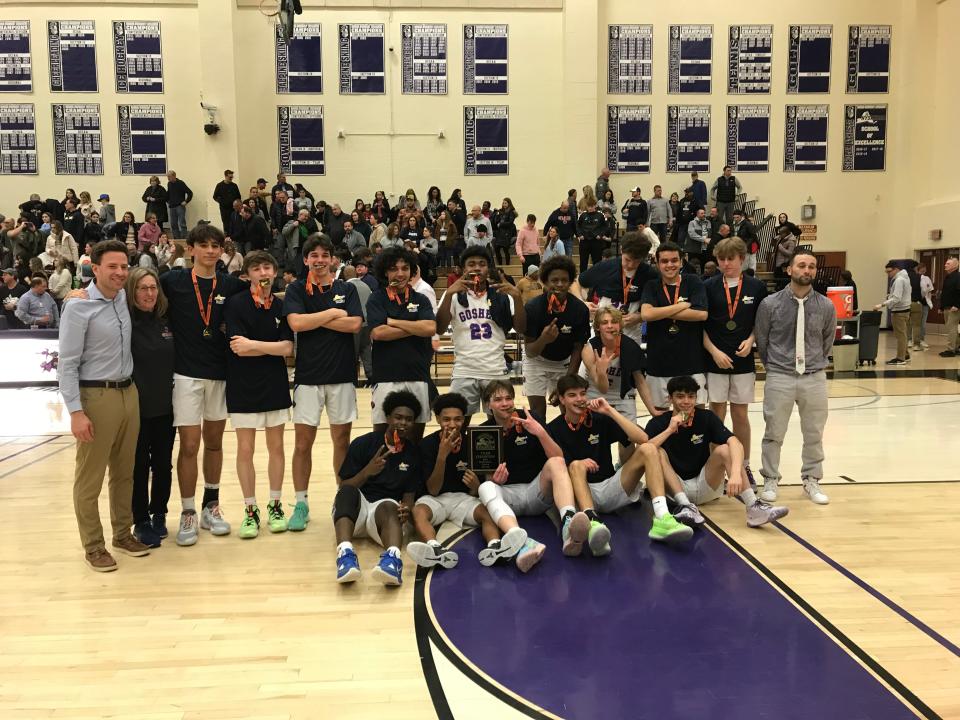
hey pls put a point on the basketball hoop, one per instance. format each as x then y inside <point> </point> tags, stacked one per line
<point>284,12</point>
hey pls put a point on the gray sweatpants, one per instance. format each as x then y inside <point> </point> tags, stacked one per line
<point>780,393</point>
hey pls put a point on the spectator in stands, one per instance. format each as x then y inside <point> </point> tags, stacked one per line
<point>446,234</point>
<point>33,207</point>
<point>302,201</point>
<point>686,212</point>
<point>392,238</point>
<point>698,237</point>
<point>68,195</point>
<point>724,192</point>
<point>553,246</point>
<point>659,213</point>
<point>429,246</point>
<point>254,233</point>
<point>127,229</point>
<point>504,221</point>
<point>606,203</point>
<point>231,259</point>
<point>149,232</point>
<point>699,188</point>
<point>256,203</point>
<point>72,218</point>
<point>715,220</point>
<point>61,280</point>
<point>783,221</point>
<point>353,240</point>
<point>11,289</point>
<point>588,195</point>
<point>744,229</point>
<point>281,212</point>
<point>334,226</point>
<point>603,184</point>
<point>295,234</point>
<point>85,206</point>
<point>60,243</point>
<point>635,210</point>
<point>282,184</point>
<point>528,243</point>
<point>380,207</point>
<point>155,196</point>
<point>44,228</point>
<point>410,229</point>
<point>457,215</point>
<point>722,232</point>
<point>37,307</point>
<point>178,197</point>
<point>164,251</point>
<point>565,221</point>
<point>108,213</point>
<point>457,197</point>
<point>898,305</point>
<point>92,231</point>
<point>359,220</point>
<point>177,259</point>
<point>783,251</point>
<point>435,205</point>
<point>592,234</point>
<point>709,268</point>
<point>475,221</point>
<point>529,285</point>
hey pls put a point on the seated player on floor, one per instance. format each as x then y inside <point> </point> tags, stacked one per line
<point>694,472</point>
<point>378,482</point>
<point>451,493</point>
<point>585,431</point>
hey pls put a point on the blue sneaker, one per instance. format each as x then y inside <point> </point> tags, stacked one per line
<point>348,569</point>
<point>159,522</point>
<point>389,570</point>
<point>144,532</point>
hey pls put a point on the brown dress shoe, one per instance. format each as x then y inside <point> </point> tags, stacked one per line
<point>131,546</point>
<point>101,561</point>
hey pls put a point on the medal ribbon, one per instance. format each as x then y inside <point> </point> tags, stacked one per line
<point>627,282</point>
<point>313,278</point>
<point>732,307</point>
<point>517,425</point>
<point>397,442</point>
<point>258,299</point>
<point>554,306</point>
<point>205,316</point>
<point>585,419</point>
<point>396,297</point>
<point>676,295</point>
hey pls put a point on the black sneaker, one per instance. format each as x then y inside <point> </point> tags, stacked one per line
<point>159,523</point>
<point>896,361</point>
<point>145,533</point>
<point>947,353</point>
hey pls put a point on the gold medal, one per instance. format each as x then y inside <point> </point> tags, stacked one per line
<point>674,328</point>
<point>731,324</point>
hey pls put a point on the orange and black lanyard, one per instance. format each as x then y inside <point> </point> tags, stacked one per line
<point>398,297</point>
<point>204,316</point>
<point>517,425</point>
<point>627,282</point>
<point>397,442</point>
<point>554,306</point>
<point>312,279</point>
<point>676,295</point>
<point>258,299</point>
<point>732,306</point>
<point>585,419</point>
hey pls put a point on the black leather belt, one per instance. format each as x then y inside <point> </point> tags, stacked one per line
<point>110,384</point>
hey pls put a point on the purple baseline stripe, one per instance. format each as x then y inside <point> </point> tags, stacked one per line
<point>650,632</point>
<point>864,585</point>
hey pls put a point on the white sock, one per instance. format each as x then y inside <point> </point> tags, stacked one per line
<point>565,509</point>
<point>211,486</point>
<point>249,501</point>
<point>682,499</point>
<point>189,504</point>
<point>394,550</point>
<point>492,543</point>
<point>433,543</point>
<point>748,496</point>
<point>301,496</point>
<point>345,545</point>
<point>275,495</point>
<point>660,507</point>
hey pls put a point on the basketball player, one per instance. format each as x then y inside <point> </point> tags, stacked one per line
<point>196,302</point>
<point>402,326</point>
<point>325,313</point>
<point>258,394</point>
<point>480,314</point>
<point>674,308</point>
<point>451,493</point>
<point>694,472</point>
<point>732,301</point>
<point>378,483</point>
<point>533,475</point>
<point>558,325</point>
<point>585,431</point>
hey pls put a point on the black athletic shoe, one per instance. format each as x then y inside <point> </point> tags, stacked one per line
<point>947,353</point>
<point>159,522</point>
<point>145,533</point>
<point>896,361</point>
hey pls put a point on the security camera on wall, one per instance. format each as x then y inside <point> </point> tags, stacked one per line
<point>210,127</point>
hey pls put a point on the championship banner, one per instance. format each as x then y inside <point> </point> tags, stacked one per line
<point>748,138</point>
<point>629,59</point>
<point>299,67</point>
<point>300,134</point>
<point>362,69</point>
<point>864,137</point>
<point>805,138</point>
<point>486,140</point>
<point>423,58</point>
<point>485,59</point>
<point>808,59</point>
<point>628,138</point>
<point>143,139</point>
<point>73,55</point>
<point>77,146</point>
<point>688,138</point>
<point>691,58</point>
<point>137,57</point>
<point>16,65</point>
<point>868,58</point>
<point>749,59</point>
<point>18,140</point>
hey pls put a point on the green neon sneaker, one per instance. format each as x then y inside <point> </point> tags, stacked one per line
<point>598,539</point>
<point>275,518</point>
<point>667,529</point>
<point>250,527</point>
<point>300,518</point>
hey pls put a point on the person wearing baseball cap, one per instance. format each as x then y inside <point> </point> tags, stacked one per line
<point>634,210</point>
<point>529,285</point>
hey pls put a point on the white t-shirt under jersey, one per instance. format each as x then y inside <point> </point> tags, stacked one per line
<point>478,341</point>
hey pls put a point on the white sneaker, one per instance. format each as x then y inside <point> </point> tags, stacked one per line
<point>427,555</point>
<point>924,345</point>
<point>769,493</point>
<point>812,489</point>
<point>211,518</point>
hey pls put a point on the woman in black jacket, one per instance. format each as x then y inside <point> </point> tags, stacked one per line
<point>152,349</point>
<point>126,229</point>
<point>504,221</point>
<point>784,224</point>
<point>155,196</point>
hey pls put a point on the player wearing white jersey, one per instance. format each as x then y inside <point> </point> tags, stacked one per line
<point>480,315</point>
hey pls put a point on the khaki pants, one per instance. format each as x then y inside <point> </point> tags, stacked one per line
<point>952,320</point>
<point>781,392</point>
<point>916,324</point>
<point>901,323</point>
<point>115,415</point>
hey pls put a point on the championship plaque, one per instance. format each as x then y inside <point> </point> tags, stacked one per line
<point>484,449</point>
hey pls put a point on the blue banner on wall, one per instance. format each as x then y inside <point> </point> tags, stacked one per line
<point>805,138</point>
<point>808,58</point>
<point>688,138</point>
<point>629,59</point>
<point>137,56</point>
<point>423,55</point>
<point>77,145</point>
<point>299,66</point>
<point>486,140</point>
<point>361,59</point>
<point>73,55</point>
<point>691,58</point>
<point>749,59</point>
<point>748,138</point>
<point>18,140</point>
<point>628,138</point>
<point>300,133</point>
<point>864,137</point>
<point>143,139</point>
<point>868,58</point>
<point>485,59</point>
<point>16,64</point>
